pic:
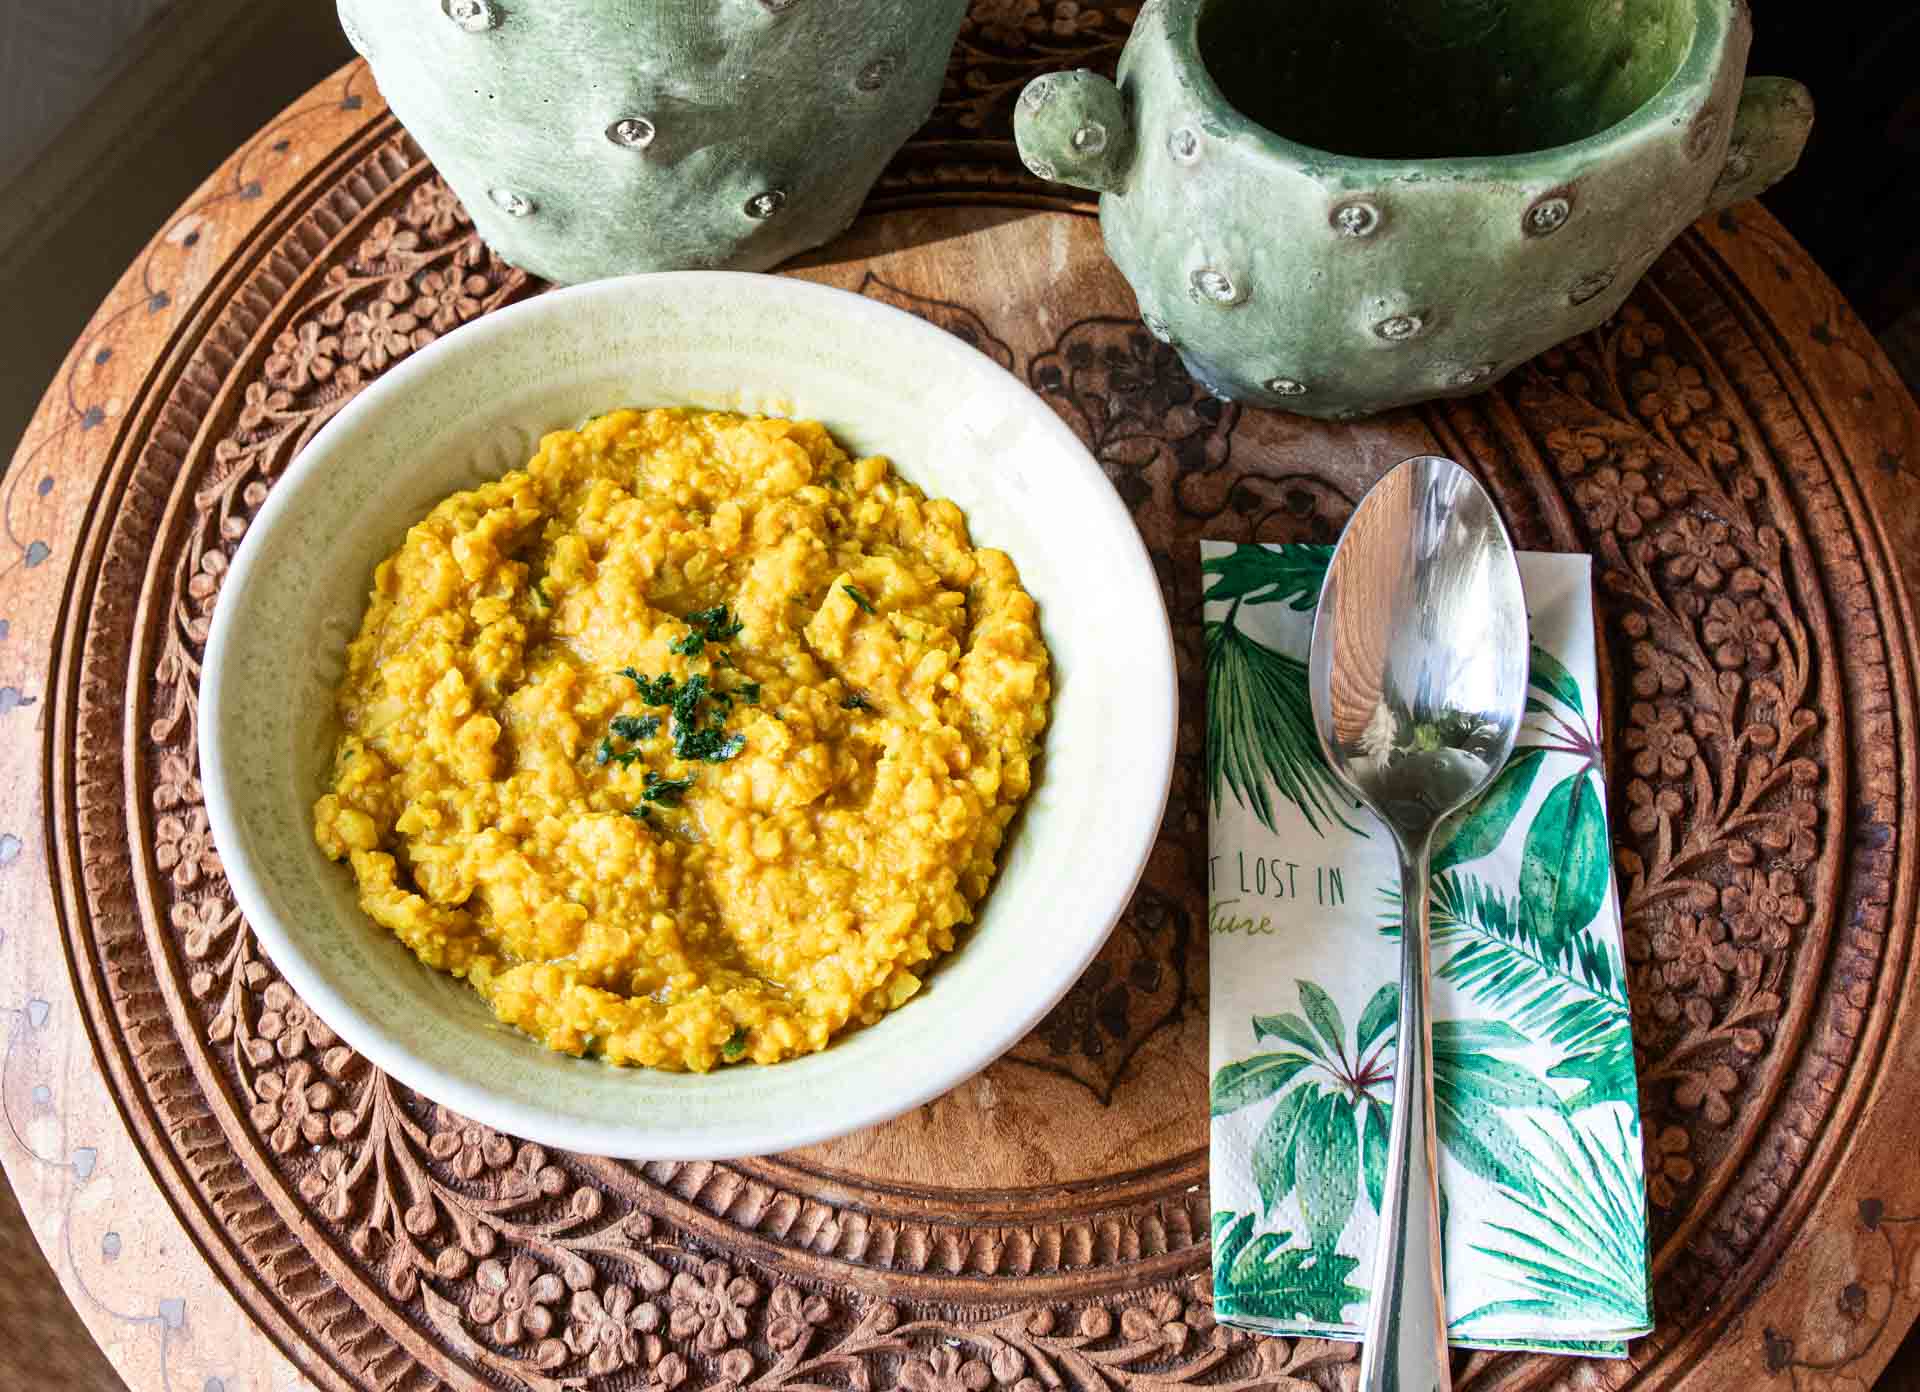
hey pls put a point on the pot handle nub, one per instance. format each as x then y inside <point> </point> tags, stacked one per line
<point>1072,127</point>
<point>1769,131</point>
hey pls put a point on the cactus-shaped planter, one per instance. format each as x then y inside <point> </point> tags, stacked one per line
<point>591,138</point>
<point>1336,208</point>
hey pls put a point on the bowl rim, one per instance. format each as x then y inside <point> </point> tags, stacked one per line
<point>385,1048</point>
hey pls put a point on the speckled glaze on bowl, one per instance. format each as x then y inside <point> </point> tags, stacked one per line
<point>473,406</point>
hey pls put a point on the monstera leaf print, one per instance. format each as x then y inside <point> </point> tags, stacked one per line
<point>1262,1277</point>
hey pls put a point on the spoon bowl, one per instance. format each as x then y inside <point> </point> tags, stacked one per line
<point>1418,674</point>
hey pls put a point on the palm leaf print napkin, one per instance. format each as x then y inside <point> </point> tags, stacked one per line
<point>1543,1192</point>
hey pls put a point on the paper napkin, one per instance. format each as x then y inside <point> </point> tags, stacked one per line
<point>1544,1197</point>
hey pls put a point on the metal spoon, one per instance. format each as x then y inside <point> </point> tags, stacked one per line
<point>1419,678</point>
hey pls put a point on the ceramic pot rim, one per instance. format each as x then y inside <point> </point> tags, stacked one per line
<point>1684,93</point>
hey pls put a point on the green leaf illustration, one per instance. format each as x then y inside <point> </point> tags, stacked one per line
<point>1378,1017</point>
<point>1465,1036</point>
<point>1290,1027</point>
<point>1260,732</point>
<point>1473,1130</point>
<point>1248,1081</point>
<point>1606,1072</point>
<point>1325,1016</point>
<point>1273,1167</point>
<point>1550,674</point>
<point>1261,575</point>
<point>1479,828</point>
<point>1263,1278</point>
<point>1564,863</point>
<point>1326,1167</point>
<point>1373,1151</point>
<point>1583,1254</point>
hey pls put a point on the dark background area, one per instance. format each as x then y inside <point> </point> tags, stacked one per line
<point>1854,203</point>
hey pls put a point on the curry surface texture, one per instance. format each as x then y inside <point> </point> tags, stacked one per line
<point>692,742</point>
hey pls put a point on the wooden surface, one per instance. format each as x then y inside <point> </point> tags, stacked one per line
<point>234,1202</point>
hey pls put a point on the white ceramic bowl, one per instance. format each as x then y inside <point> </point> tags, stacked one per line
<point>473,406</point>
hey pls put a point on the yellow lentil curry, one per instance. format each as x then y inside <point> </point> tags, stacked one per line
<point>692,742</point>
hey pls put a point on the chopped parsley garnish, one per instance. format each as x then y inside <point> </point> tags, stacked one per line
<point>853,700</point>
<point>860,599</point>
<point>715,624</point>
<point>686,705</point>
<point>641,814</point>
<point>749,692</point>
<point>539,591</point>
<point>709,744</point>
<point>665,791</point>
<point>606,754</point>
<point>636,727</point>
<point>655,691</point>
<point>736,1044</point>
<point>688,644</point>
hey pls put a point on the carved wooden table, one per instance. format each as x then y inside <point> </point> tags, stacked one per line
<point>235,1201</point>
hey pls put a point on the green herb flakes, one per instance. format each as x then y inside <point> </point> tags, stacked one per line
<point>655,691</point>
<point>736,1044</point>
<point>748,692</point>
<point>665,791</point>
<point>688,644</point>
<point>635,728</point>
<point>853,700</point>
<point>716,625</point>
<point>860,599</point>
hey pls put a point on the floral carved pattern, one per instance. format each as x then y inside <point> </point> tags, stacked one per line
<point>414,1246</point>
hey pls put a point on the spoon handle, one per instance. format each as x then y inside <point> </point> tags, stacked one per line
<point>1406,1337</point>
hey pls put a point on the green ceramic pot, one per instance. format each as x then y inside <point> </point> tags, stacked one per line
<point>592,138</point>
<point>1340,206</point>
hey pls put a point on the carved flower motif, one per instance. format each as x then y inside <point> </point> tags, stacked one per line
<point>1647,806</point>
<point>469,1147</point>
<point>292,1106</point>
<point>1668,1164</point>
<point>514,1299</point>
<point>609,1333</point>
<point>1657,671</point>
<point>387,238</point>
<point>711,1308</point>
<point>1670,389</point>
<point>531,1174</point>
<point>1156,1321</point>
<point>382,334</point>
<point>1710,441</point>
<point>261,404</point>
<point>1694,953</point>
<point>1637,332</point>
<point>201,920</point>
<point>668,1372</point>
<point>944,1370</point>
<point>1706,1093</point>
<point>289,1024</point>
<point>183,843</point>
<point>175,784</point>
<point>447,300</point>
<point>204,590</point>
<point>1742,633</point>
<point>1575,450</point>
<point>301,356</point>
<point>1765,906</point>
<point>434,210</point>
<point>792,1316</point>
<point>1616,502</point>
<point>1659,740</point>
<point>1011,22</point>
<point>1699,551</point>
<point>328,1185</point>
